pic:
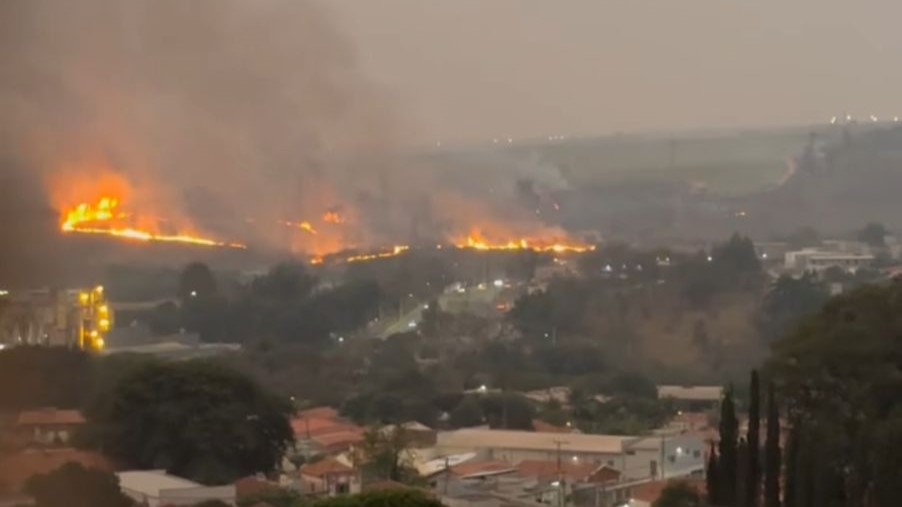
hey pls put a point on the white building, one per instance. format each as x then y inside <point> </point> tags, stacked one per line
<point>817,260</point>
<point>698,394</point>
<point>634,457</point>
<point>155,488</point>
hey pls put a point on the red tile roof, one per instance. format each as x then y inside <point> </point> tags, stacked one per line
<point>319,412</point>
<point>338,440</point>
<point>18,468</point>
<point>550,470</point>
<point>313,426</point>
<point>50,417</point>
<point>326,466</point>
<point>251,485</point>
<point>476,468</point>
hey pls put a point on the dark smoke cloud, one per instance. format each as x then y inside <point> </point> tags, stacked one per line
<point>220,109</point>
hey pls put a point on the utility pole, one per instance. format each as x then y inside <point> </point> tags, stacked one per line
<point>560,478</point>
<point>447,474</point>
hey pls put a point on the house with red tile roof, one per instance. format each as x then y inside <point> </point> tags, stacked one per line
<point>567,470</point>
<point>252,486</point>
<point>329,477</point>
<point>49,426</point>
<point>319,413</point>
<point>321,431</point>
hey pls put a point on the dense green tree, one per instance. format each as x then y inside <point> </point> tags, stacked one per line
<point>197,281</point>
<point>727,447</point>
<point>742,466</point>
<point>387,498</point>
<point>195,419</point>
<point>34,377</point>
<point>631,384</point>
<point>73,485</point>
<point>772,457</point>
<point>839,375</point>
<point>788,301</point>
<point>753,466</point>
<point>712,478</point>
<point>286,282</point>
<point>873,234</point>
<point>736,256</point>
<point>804,237</point>
<point>212,503</point>
<point>791,469</point>
<point>274,497</point>
<point>507,410</point>
<point>387,456</point>
<point>679,494</point>
<point>468,413</point>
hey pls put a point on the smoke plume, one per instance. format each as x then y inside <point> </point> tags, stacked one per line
<point>230,112</point>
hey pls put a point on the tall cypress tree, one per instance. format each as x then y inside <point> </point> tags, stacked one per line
<point>712,477</point>
<point>727,448</point>
<point>752,476</point>
<point>772,452</point>
<point>791,483</point>
<point>742,472</point>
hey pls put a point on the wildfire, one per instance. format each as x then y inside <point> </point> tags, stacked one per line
<point>304,226</point>
<point>333,217</point>
<point>105,218</point>
<point>394,252</point>
<point>476,242</point>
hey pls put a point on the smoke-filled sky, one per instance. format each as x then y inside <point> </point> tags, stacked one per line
<point>478,69</point>
<point>216,117</point>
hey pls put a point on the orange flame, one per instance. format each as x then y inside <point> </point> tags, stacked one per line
<point>105,218</point>
<point>304,226</point>
<point>333,217</point>
<point>395,251</point>
<point>476,242</point>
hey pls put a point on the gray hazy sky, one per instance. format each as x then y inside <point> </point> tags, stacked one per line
<point>478,69</point>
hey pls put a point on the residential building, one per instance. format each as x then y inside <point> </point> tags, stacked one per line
<point>322,431</point>
<point>329,477</point>
<point>156,488</point>
<point>49,426</point>
<point>417,435</point>
<point>634,457</point>
<point>818,260</point>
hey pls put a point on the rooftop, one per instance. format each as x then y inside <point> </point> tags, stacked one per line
<point>691,393</point>
<point>325,467</point>
<point>482,468</point>
<point>151,482</point>
<point>548,470</point>
<point>528,440</point>
<point>50,417</point>
<point>338,438</point>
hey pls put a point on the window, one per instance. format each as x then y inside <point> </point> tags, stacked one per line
<point>696,454</point>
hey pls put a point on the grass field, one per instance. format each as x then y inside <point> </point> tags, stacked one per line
<point>727,162</point>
